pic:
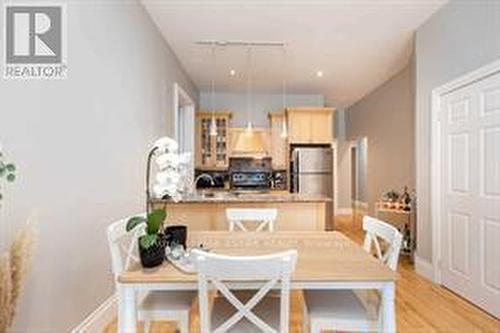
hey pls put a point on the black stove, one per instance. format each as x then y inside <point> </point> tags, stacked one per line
<point>248,173</point>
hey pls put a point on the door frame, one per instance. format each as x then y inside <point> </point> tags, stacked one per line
<point>435,176</point>
<point>353,170</point>
<point>335,184</point>
<point>180,93</point>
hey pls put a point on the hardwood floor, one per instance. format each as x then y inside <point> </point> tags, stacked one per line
<point>421,306</point>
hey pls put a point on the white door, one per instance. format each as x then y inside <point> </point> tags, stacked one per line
<point>470,176</point>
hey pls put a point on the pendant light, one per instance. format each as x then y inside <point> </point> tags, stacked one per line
<point>213,122</point>
<point>249,127</point>
<point>284,129</point>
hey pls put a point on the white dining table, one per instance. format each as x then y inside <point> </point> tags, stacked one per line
<point>326,260</point>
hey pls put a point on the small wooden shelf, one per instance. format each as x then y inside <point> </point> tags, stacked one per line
<point>401,219</point>
<point>394,210</point>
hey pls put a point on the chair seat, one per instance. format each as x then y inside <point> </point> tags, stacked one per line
<point>267,310</point>
<point>342,309</point>
<point>158,304</point>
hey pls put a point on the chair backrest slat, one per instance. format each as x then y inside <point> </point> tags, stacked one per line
<point>263,217</point>
<point>123,245</point>
<point>270,270</point>
<point>376,229</point>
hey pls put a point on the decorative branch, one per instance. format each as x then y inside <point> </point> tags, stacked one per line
<point>14,265</point>
<point>6,310</point>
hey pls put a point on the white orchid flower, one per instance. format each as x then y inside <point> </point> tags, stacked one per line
<point>171,169</point>
<point>166,144</point>
<point>165,160</point>
<point>161,190</point>
<point>176,197</point>
<point>168,177</point>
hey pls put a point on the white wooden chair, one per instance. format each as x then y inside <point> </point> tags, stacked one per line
<point>157,305</point>
<point>357,311</point>
<point>240,218</point>
<point>243,312</point>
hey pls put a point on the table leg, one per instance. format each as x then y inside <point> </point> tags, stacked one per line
<point>388,308</point>
<point>127,312</point>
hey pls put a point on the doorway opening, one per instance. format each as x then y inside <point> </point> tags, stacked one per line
<point>359,173</point>
<point>184,109</point>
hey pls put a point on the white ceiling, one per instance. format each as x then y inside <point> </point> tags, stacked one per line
<point>358,44</point>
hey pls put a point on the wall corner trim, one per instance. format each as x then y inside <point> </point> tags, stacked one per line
<point>100,318</point>
<point>424,268</point>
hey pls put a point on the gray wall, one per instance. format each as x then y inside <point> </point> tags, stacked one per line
<point>460,37</point>
<point>362,165</point>
<point>386,118</point>
<point>262,105</point>
<point>80,145</point>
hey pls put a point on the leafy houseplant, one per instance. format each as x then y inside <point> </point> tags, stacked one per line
<point>152,243</point>
<point>7,171</point>
<point>391,196</point>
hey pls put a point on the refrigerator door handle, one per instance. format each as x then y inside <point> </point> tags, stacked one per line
<point>296,159</point>
<point>295,170</point>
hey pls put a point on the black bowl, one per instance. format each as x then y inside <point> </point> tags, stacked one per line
<point>176,234</point>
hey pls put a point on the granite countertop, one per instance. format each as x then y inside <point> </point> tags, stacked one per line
<point>226,196</point>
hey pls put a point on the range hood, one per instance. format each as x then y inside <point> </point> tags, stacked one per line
<point>249,143</point>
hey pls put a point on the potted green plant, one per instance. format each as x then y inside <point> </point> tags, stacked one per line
<point>152,243</point>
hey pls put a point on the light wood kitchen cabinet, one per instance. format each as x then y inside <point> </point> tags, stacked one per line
<point>310,125</point>
<point>299,125</point>
<point>278,143</point>
<point>212,151</point>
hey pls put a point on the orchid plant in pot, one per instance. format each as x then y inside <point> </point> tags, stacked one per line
<point>168,185</point>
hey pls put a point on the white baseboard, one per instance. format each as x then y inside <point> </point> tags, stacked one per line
<point>343,211</point>
<point>360,204</point>
<point>98,320</point>
<point>424,268</point>
<point>360,207</point>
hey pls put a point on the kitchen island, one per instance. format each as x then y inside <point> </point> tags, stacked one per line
<point>296,212</point>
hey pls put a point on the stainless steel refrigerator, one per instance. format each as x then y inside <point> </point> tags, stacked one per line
<point>312,171</point>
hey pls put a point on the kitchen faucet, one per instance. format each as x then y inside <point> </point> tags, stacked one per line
<point>204,175</point>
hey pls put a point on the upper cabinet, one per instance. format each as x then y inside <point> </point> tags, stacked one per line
<point>303,125</point>
<point>310,125</point>
<point>212,151</point>
<point>278,142</point>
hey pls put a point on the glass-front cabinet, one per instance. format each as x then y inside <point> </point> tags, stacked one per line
<point>211,151</point>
